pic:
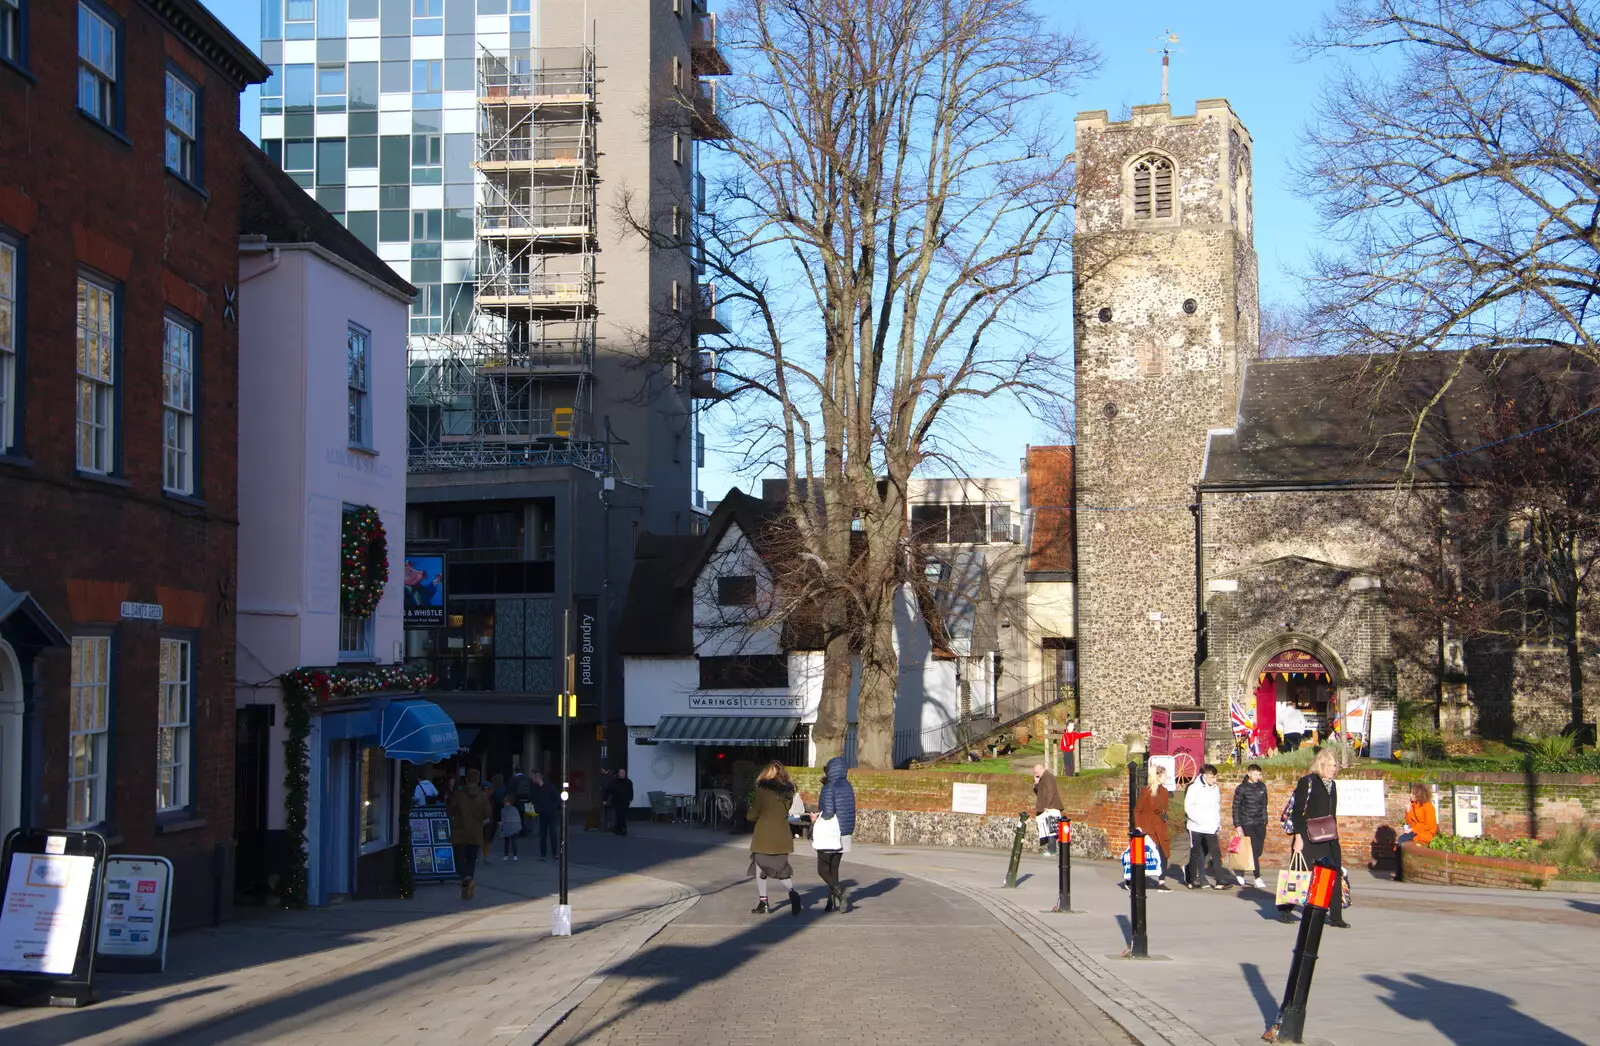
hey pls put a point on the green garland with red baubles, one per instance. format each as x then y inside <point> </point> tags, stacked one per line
<point>363,562</point>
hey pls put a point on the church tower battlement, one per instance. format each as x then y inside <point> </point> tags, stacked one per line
<point>1165,316</point>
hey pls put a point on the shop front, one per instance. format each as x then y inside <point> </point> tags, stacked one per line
<point>1299,685</point>
<point>357,752</point>
<point>702,765</point>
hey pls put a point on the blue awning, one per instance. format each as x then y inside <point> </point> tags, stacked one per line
<point>417,732</point>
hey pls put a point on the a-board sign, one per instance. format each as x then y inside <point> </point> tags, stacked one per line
<point>49,913</point>
<point>1359,798</point>
<point>432,857</point>
<point>135,913</point>
<point>1468,803</point>
<point>969,798</point>
<point>1381,738</point>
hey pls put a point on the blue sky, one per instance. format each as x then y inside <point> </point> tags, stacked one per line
<point>1242,50</point>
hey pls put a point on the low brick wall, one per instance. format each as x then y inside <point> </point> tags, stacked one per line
<point>1423,865</point>
<point>930,828</point>
<point>1514,806</point>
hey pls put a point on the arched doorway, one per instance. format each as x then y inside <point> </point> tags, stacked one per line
<point>10,740</point>
<point>1294,671</point>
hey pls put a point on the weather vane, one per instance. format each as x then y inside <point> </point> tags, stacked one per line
<point>1168,41</point>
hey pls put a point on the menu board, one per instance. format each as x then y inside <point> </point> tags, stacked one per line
<point>134,912</point>
<point>42,918</point>
<point>432,857</point>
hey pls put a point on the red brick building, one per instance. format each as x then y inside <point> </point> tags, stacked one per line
<point>118,427</point>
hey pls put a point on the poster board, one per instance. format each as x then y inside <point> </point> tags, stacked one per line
<point>49,913</point>
<point>1381,740</point>
<point>425,590</point>
<point>1468,803</point>
<point>969,798</point>
<point>1360,798</point>
<point>1168,761</point>
<point>135,913</point>
<point>433,859</point>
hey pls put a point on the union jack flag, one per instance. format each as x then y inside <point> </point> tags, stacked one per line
<point>1242,723</point>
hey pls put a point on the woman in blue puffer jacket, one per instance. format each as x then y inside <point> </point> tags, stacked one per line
<point>837,802</point>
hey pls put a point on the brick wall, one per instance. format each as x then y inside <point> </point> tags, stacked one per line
<point>1446,869</point>
<point>79,197</point>
<point>1101,802</point>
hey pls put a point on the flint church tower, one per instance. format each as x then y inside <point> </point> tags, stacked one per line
<point>1166,314</point>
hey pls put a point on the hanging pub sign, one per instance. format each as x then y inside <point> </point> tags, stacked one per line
<point>1294,663</point>
<point>433,859</point>
<point>134,915</point>
<point>424,579</point>
<point>50,915</point>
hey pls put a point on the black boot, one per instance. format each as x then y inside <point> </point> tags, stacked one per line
<point>833,900</point>
<point>845,904</point>
<point>760,908</point>
<point>794,902</point>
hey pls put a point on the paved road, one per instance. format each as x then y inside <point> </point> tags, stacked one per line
<point>910,959</point>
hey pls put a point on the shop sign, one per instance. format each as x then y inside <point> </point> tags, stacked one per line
<point>1359,798</point>
<point>135,913</point>
<point>1381,743</point>
<point>141,611</point>
<point>432,857</point>
<point>50,908</point>
<point>749,702</point>
<point>1295,662</point>
<point>586,681</point>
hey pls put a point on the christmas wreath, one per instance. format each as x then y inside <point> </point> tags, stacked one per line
<point>363,562</point>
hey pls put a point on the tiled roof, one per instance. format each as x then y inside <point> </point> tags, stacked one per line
<point>1052,536</point>
<point>272,205</point>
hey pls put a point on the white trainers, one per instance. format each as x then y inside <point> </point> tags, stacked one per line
<point>1240,880</point>
<point>1259,884</point>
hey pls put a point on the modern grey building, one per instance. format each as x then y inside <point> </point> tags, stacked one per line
<point>505,156</point>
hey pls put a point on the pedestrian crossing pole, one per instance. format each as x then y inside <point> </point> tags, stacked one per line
<point>566,708</point>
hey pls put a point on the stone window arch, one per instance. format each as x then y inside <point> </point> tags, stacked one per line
<point>1153,188</point>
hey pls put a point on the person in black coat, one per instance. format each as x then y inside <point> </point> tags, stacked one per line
<point>1316,796</point>
<point>619,796</point>
<point>1250,817</point>
<point>547,806</point>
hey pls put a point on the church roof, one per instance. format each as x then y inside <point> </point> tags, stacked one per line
<point>1321,421</point>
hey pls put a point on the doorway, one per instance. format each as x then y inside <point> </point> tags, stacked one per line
<point>251,765</point>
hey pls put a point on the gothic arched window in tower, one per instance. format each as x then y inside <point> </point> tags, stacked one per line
<point>1152,187</point>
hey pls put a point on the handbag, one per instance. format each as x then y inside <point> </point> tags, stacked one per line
<point>825,834</point>
<point>1293,882</point>
<point>1322,829</point>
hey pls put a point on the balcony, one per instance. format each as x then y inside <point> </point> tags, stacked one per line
<point>574,356</point>
<point>705,58</point>
<point>564,220</point>
<point>707,122</point>
<point>707,383</point>
<point>552,153</point>
<point>708,312</point>
<point>565,76</point>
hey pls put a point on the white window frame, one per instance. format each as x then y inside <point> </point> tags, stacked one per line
<point>97,376</point>
<point>88,731</point>
<point>10,280</point>
<point>182,148</point>
<point>177,401</point>
<point>356,637</point>
<point>98,45</point>
<point>358,380</point>
<point>377,807</point>
<point>174,715</point>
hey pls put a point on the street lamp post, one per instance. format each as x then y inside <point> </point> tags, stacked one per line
<point>566,708</point>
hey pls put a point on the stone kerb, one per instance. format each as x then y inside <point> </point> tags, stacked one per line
<point>1441,868</point>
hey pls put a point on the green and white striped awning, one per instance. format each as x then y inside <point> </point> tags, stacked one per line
<point>725,729</point>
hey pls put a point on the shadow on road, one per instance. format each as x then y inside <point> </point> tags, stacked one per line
<point>1466,1015</point>
<point>1263,994</point>
<point>877,889</point>
<point>1588,907</point>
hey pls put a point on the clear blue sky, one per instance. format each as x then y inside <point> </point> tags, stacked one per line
<point>1241,50</point>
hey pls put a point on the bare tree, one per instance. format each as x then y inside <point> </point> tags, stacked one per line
<point>892,196</point>
<point>1455,156</point>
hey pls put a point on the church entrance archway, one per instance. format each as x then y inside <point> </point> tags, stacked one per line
<point>1294,687</point>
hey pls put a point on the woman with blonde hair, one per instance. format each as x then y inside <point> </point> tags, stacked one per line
<point>1150,817</point>
<point>1314,824</point>
<point>772,842</point>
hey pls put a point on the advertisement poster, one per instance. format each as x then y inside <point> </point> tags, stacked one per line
<point>425,591</point>
<point>1468,810</point>
<point>43,913</point>
<point>133,916</point>
<point>1381,743</point>
<point>431,854</point>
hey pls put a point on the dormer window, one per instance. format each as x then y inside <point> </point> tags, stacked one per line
<point>1152,188</point>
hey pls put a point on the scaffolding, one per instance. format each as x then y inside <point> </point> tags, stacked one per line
<point>510,382</point>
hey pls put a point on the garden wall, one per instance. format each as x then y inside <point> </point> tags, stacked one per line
<point>1514,806</point>
<point>1423,865</point>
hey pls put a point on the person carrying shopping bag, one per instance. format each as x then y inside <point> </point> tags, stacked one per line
<point>831,828</point>
<point>1150,817</point>
<point>772,842</point>
<point>1312,816</point>
<point>1046,807</point>
<point>1250,824</point>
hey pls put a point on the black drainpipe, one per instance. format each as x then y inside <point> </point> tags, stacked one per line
<point>1201,637</point>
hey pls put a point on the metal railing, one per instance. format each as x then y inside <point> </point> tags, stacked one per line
<point>564,214</point>
<point>539,288</point>
<point>574,149</point>
<point>569,354</point>
<point>467,456</point>
<point>537,73</point>
<point>502,422</point>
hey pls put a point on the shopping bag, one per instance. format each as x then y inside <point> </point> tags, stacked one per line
<point>1153,864</point>
<point>1237,842</point>
<point>1294,881</point>
<point>825,834</point>
<point>1239,859</point>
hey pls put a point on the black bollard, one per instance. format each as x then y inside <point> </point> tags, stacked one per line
<point>1064,866</point>
<point>1016,852</point>
<point>1139,944</point>
<point>1291,1023</point>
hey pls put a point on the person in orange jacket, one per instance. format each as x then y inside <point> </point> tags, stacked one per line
<point>1422,820</point>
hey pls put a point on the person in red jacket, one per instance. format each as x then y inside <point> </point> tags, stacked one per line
<point>1069,742</point>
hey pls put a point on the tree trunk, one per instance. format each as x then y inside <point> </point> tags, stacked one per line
<point>1575,674</point>
<point>833,710</point>
<point>880,670</point>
